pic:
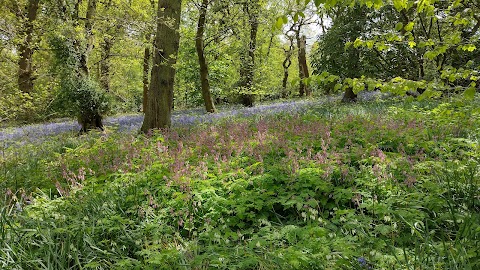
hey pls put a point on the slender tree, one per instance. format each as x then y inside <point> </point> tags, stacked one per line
<point>200,47</point>
<point>286,64</point>
<point>160,93</point>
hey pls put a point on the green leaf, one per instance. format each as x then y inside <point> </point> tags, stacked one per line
<point>470,92</point>
<point>399,26</point>
<point>468,47</point>
<point>279,23</point>
<point>358,42</point>
<point>409,26</point>
<point>400,4</point>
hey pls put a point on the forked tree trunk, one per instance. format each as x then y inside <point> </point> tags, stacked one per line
<point>160,93</point>
<point>199,44</point>
<point>25,66</point>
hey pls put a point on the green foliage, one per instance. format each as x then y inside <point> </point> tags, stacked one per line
<point>380,186</point>
<point>78,94</point>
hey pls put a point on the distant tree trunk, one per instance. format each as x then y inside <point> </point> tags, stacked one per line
<point>25,66</point>
<point>247,71</point>
<point>92,118</point>
<point>199,44</point>
<point>91,11</point>
<point>146,70</point>
<point>160,93</point>
<point>302,63</point>
<point>349,96</point>
<point>286,65</point>
<point>105,63</point>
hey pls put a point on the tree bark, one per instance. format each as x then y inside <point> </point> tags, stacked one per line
<point>105,64</point>
<point>286,65</point>
<point>91,11</point>
<point>247,71</point>
<point>91,118</point>
<point>199,44</point>
<point>25,66</point>
<point>160,93</point>
<point>302,63</point>
<point>146,69</point>
<point>349,96</point>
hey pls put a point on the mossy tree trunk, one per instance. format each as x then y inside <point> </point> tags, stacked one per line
<point>105,63</point>
<point>89,18</point>
<point>302,63</point>
<point>146,70</point>
<point>25,49</point>
<point>89,115</point>
<point>160,92</point>
<point>247,70</point>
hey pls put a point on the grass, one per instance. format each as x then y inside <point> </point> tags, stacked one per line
<point>388,185</point>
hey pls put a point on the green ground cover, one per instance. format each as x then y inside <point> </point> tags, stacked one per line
<point>381,185</point>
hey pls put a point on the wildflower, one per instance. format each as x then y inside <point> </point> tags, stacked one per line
<point>362,261</point>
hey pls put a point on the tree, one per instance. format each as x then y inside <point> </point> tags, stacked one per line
<point>430,35</point>
<point>160,93</point>
<point>200,47</point>
<point>247,68</point>
<point>302,54</point>
<point>28,16</point>
<point>287,63</point>
<point>79,93</point>
<point>146,68</point>
<point>332,56</point>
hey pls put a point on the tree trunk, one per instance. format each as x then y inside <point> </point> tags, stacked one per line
<point>199,44</point>
<point>105,64</point>
<point>91,118</point>
<point>349,96</point>
<point>146,69</point>
<point>160,93</point>
<point>302,63</point>
<point>25,66</point>
<point>286,65</point>
<point>247,72</point>
<point>91,11</point>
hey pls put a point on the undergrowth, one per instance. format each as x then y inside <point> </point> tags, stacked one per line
<point>369,186</point>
